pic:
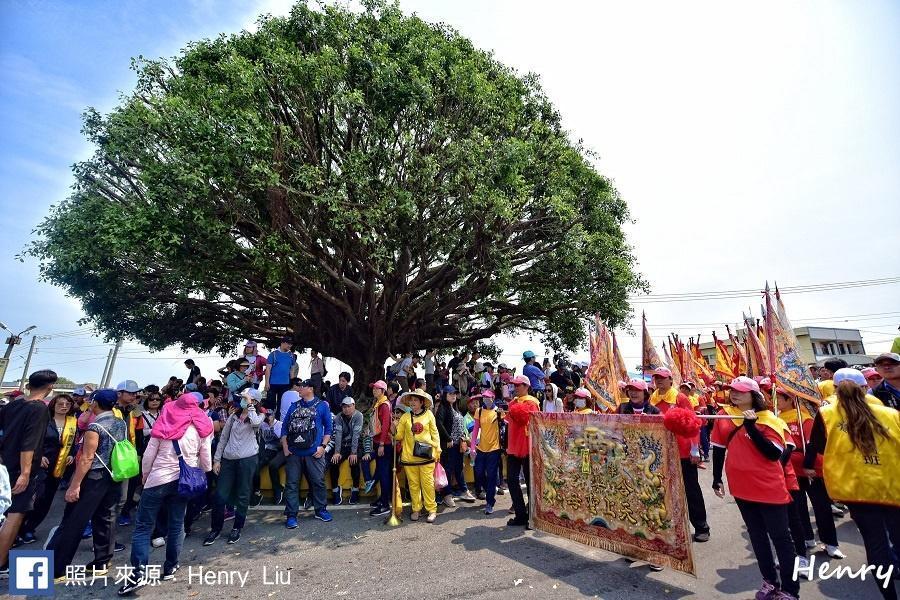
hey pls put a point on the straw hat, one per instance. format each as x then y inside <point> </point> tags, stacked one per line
<point>425,396</point>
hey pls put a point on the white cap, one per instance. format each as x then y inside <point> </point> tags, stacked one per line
<point>129,386</point>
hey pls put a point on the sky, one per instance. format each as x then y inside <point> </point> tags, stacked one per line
<point>752,143</point>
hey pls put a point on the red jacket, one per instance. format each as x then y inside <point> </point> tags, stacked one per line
<point>519,415</point>
<point>682,401</point>
<point>384,416</point>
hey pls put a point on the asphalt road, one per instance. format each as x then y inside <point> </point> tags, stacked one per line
<point>464,555</point>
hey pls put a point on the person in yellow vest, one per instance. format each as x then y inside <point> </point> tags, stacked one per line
<point>486,448</point>
<point>826,375</point>
<point>129,411</point>
<point>59,441</point>
<point>582,395</point>
<point>421,447</point>
<point>860,445</point>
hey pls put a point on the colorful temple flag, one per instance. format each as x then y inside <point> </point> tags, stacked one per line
<point>650,360</point>
<point>790,372</point>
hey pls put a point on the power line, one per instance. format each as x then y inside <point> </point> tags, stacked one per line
<point>745,293</point>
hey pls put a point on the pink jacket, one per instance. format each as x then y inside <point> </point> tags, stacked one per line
<point>160,463</point>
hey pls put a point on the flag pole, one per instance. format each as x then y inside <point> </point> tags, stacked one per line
<point>770,348</point>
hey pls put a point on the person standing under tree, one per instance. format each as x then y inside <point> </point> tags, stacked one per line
<point>278,374</point>
<point>518,446</point>
<point>317,371</point>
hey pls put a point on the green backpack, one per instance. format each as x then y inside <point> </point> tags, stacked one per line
<point>123,458</point>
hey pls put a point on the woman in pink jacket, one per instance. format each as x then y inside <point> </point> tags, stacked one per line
<point>184,423</point>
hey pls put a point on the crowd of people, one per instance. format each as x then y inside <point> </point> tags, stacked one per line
<point>202,445</point>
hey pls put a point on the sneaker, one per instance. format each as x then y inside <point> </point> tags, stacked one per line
<point>511,510</point>
<point>308,503</point>
<point>375,504</point>
<point>782,595</point>
<point>4,572</point>
<point>765,592</point>
<point>278,499</point>
<point>837,510</point>
<point>370,485</point>
<point>234,536</point>
<point>229,514</point>
<point>414,515</point>
<point>211,538</point>
<point>834,551</point>
<point>124,520</point>
<point>803,565</point>
<point>88,531</point>
<point>291,523</point>
<point>488,510</point>
<point>515,522</point>
<point>158,542</point>
<point>810,544</point>
<point>133,582</point>
<point>338,497</point>
<point>256,499</point>
<point>354,497</point>
<point>379,511</point>
<point>701,536</point>
<point>501,491</point>
<point>653,567</point>
<point>169,574</point>
<point>28,538</point>
<point>449,502</point>
<point>467,497</point>
<point>431,517</point>
<point>481,496</point>
<point>119,547</point>
<point>323,515</point>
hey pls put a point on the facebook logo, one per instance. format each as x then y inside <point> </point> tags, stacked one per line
<point>31,572</point>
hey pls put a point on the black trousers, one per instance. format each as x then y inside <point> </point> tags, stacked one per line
<point>46,491</point>
<point>97,503</point>
<point>879,527</point>
<point>815,490</point>
<point>765,522</point>
<point>796,525</point>
<point>514,466</point>
<point>272,400</point>
<point>694,496</point>
<point>334,470</point>
<point>130,489</point>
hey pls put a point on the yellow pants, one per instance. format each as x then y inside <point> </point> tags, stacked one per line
<point>421,482</point>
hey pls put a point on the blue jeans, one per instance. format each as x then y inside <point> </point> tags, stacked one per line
<point>152,499</point>
<point>452,461</point>
<point>486,473</point>
<point>384,472</point>
<point>314,469</point>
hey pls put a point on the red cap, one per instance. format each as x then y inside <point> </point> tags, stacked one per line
<point>743,384</point>
<point>662,372</point>
<point>582,393</point>
<point>521,379</point>
<point>381,385</point>
<point>638,384</point>
<point>870,372</point>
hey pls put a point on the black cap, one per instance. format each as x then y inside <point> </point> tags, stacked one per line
<point>307,383</point>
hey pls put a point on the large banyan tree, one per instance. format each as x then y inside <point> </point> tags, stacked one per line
<point>368,181</point>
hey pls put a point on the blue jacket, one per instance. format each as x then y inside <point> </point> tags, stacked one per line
<point>536,375</point>
<point>323,424</point>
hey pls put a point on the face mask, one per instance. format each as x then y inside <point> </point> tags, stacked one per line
<point>243,403</point>
<point>489,404</point>
<point>579,403</point>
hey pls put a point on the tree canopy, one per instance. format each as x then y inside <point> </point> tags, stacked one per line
<point>368,181</point>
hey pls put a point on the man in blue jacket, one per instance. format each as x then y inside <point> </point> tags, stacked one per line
<point>534,374</point>
<point>305,433</point>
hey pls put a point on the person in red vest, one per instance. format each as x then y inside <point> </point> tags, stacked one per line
<point>665,397</point>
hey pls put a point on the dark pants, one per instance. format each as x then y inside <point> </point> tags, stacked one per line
<point>821,503</point>
<point>317,383</point>
<point>130,488</point>
<point>429,382</point>
<point>694,496</point>
<point>453,462</point>
<point>765,522</point>
<point>314,469</point>
<point>273,397</point>
<point>704,442</point>
<point>152,500</point>
<point>46,491</point>
<point>514,466</point>
<point>796,525</point>
<point>384,472</point>
<point>334,470</point>
<point>366,467</point>
<point>879,527</point>
<point>196,506</point>
<point>233,488</point>
<point>97,502</point>
<point>273,460</point>
<point>486,474</point>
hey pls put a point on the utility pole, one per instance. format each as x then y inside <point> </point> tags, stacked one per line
<point>112,363</point>
<point>106,367</point>
<point>28,362</point>
<point>11,342</point>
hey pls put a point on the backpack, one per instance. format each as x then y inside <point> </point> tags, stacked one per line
<point>301,430</point>
<point>123,458</point>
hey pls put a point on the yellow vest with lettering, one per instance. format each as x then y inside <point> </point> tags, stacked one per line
<point>67,441</point>
<point>852,477</point>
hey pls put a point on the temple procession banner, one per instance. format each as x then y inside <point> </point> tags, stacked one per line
<point>611,482</point>
<point>789,370</point>
<point>601,378</point>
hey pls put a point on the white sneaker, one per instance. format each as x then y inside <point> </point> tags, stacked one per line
<point>158,542</point>
<point>449,502</point>
<point>834,551</point>
<point>803,563</point>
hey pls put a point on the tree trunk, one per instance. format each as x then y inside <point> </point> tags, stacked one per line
<point>364,373</point>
